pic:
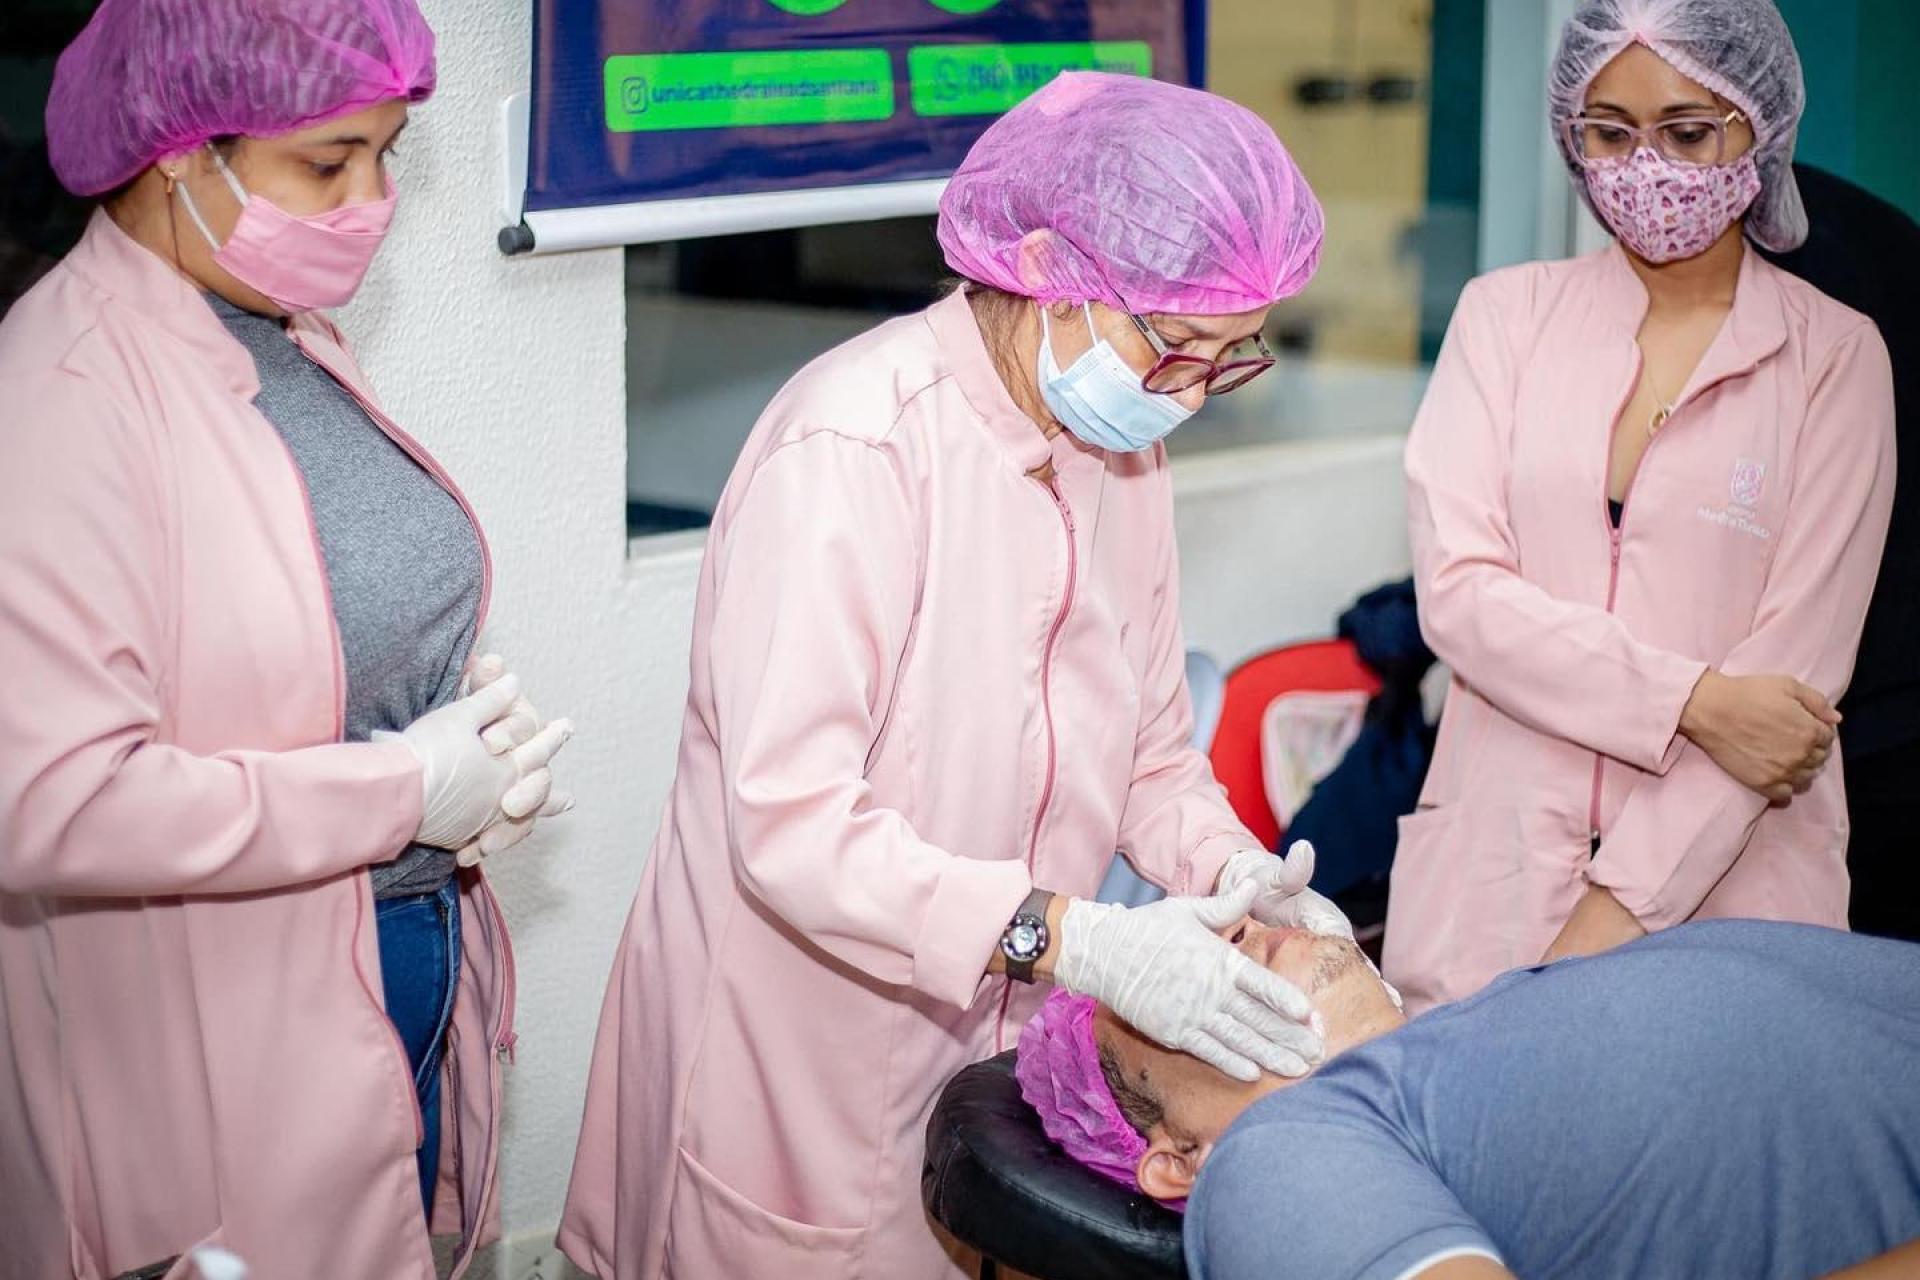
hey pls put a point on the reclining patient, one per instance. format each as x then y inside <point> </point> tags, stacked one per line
<point>1730,1098</point>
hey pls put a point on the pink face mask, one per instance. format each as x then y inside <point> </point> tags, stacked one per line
<point>300,264</point>
<point>1664,210</point>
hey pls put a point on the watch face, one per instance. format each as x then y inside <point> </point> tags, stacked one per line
<point>1023,939</point>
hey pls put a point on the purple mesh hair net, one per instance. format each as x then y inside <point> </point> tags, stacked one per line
<point>1145,196</point>
<point>149,78</point>
<point>1058,1067</point>
<point>1740,49</point>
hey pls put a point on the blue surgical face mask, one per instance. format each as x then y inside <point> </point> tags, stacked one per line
<point>1100,398</point>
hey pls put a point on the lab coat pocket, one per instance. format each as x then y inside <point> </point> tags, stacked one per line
<point>1422,905</point>
<point>713,1230</point>
<point>1466,899</point>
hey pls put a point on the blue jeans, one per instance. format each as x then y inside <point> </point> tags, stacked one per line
<point>419,967</point>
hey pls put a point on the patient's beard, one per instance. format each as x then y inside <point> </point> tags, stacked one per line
<point>1349,996</point>
<point>1334,959</point>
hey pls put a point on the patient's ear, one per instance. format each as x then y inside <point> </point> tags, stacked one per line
<point>1168,1169</point>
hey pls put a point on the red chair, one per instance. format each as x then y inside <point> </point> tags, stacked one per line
<point>1324,666</point>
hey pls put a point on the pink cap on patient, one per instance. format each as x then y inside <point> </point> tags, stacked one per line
<point>1058,1067</point>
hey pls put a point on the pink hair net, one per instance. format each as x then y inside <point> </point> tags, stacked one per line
<point>1058,1067</point>
<point>1145,196</point>
<point>1740,49</point>
<point>149,78</point>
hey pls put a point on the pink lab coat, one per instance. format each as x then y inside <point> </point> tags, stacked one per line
<point>195,1047</point>
<point>923,681</point>
<point>1750,541</point>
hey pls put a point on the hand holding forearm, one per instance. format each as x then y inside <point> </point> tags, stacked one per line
<point>1772,734</point>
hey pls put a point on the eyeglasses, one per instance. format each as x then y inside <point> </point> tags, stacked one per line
<point>1690,140</point>
<point>1173,372</point>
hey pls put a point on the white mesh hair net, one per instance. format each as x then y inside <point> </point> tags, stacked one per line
<point>1740,49</point>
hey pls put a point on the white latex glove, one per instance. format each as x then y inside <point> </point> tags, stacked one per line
<point>211,1262</point>
<point>534,797</point>
<point>1165,969</point>
<point>520,722</point>
<point>465,785</point>
<point>1283,900</point>
<point>1286,902</point>
<point>526,802</point>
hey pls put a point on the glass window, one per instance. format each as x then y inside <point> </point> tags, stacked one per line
<point>715,327</point>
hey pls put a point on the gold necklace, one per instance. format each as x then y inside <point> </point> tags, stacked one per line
<point>1663,410</point>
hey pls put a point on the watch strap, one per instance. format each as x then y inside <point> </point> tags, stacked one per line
<point>1034,911</point>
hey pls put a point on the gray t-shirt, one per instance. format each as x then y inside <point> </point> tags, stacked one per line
<point>403,561</point>
<point>1724,1099</point>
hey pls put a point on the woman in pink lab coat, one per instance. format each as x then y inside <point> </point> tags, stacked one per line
<point>1648,491</point>
<point>937,681</point>
<point>222,571</point>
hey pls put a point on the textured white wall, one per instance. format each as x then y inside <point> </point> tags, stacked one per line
<point>513,372</point>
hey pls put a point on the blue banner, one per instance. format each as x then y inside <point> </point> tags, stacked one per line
<point>663,99</point>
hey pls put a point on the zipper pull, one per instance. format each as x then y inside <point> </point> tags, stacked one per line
<point>1060,501</point>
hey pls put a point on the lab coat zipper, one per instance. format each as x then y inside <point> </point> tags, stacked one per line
<point>501,1035</point>
<point>339,732</point>
<point>1046,670</point>
<point>1613,558</point>
<point>1615,533</point>
<point>504,1040</point>
<point>1046,713</point>
<point>412,448</point>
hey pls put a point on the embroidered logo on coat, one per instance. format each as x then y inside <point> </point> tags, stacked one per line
<point>1740,515</point>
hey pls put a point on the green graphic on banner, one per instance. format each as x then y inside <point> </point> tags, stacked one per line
<point>661,91</point>
<point>807,8</point>
<point>963,6</point>
<point>987,79</point>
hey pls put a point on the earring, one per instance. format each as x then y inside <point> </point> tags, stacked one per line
<point>171,179</point>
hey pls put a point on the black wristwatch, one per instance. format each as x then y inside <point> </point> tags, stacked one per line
<point>1025,938</point>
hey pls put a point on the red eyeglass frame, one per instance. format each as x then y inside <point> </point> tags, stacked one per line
<point>1214,370</point>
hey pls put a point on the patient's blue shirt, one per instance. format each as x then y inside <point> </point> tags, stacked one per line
<point>1731,1098</point>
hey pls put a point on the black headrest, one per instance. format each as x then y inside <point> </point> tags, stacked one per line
<point>996,1181</point>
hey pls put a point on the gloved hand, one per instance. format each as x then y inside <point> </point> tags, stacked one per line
<point>466,786</point>
<point>1165,969</point>
<point>520,722</point>
<point>527,802</point>
<point>1284,901</point>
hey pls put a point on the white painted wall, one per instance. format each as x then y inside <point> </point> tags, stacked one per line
<point>513,372</point>
<point>1276,540</point>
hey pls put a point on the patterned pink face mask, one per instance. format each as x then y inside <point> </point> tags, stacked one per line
<point>1664,210</point>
